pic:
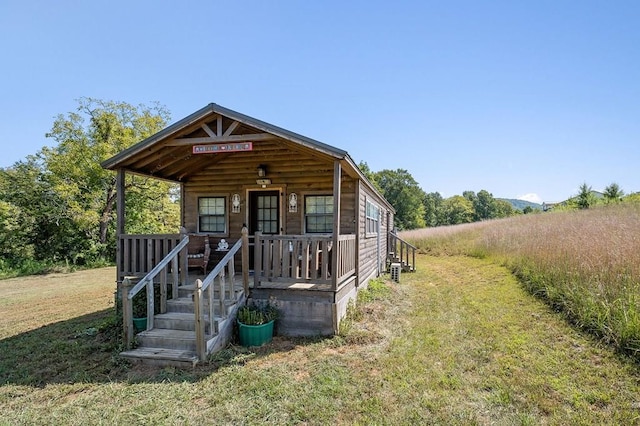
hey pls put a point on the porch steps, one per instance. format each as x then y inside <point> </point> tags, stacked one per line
<point>172,341</point>
<point>395,259</point>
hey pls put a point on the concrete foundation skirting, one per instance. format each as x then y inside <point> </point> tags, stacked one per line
<point>309,313</point>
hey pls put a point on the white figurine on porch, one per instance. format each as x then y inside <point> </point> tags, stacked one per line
<point>223,245</point>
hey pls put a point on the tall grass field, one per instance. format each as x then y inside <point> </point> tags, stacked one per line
<point>584,263</point>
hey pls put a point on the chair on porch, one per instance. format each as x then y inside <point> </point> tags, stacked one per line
<point>198,252</point>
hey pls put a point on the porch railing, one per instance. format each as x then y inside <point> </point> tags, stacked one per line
<point>346,256</point>
<point>138,254</point>
<point>302,258</point>
<point>224,276</point>
<point>169,266</point>
<point>401,251</point>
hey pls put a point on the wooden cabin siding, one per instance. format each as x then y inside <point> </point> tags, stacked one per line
<point>290,171</point>
<point>372,247</point>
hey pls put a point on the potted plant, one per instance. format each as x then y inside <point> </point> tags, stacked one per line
<point>255,324</point>
<point>140,311</point>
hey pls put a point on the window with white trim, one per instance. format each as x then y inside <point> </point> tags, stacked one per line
<point>372,218</point>
<point>318,214</point>
<point>212,214</point>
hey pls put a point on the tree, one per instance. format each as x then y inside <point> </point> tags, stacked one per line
<point>456,210</point>
<point>502,208</point>
<point>405,195</point>
<point>369,174</point>
<point>67,195</point>
<point>433,209</point>
<point>484,206</point>
<point>585,198</point>
<point>613,193</point>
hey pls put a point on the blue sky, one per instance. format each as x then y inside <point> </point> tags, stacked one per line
<point>521,98</point>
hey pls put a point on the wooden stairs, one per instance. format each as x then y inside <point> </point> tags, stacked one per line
<point>401,252</point>
<point>172,341</point>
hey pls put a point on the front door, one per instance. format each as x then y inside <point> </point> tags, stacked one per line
<point>264,214</point>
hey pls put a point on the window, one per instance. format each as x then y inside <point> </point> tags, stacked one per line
<point>212,214</point>
<point>318,213</point>
<point>373,214</point>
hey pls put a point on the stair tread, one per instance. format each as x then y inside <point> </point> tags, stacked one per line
<point>168,333</point>
<point>161,354</point>
<point>179,315</point>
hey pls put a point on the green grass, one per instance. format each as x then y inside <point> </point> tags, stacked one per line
<point>585,264</point>
<point>457,342</point>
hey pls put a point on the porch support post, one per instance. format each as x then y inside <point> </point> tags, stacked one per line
<point>337,178</point>
<point>120,220</point>
<point>245,260</point>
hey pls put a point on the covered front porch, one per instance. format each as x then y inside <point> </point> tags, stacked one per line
<point>190,311</point>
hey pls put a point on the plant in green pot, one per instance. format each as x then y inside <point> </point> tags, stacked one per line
<point>255,324</point>
<point>140,311</point>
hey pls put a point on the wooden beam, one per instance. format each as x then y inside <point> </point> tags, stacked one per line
<point>231,128</point>
<point>120,220</point>
<point>197,165</point>
<point>219,125</point>
<point>222,139</point>
<point>337,179</point>
<point>208,130</point>
<point>120,201</point>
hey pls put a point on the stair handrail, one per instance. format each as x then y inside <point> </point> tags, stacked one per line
<point>218,271</point>
<point>406,249</point>
<point>147,281</point>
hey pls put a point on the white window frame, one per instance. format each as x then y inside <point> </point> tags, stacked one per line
<point>306,215</point>
<point>225,215</point>
<point>372,218</point>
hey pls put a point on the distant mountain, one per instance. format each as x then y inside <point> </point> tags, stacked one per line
<point>521,204</point>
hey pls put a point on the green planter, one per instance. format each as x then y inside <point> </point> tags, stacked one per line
<point>140,324</point>
<point>255,335</point>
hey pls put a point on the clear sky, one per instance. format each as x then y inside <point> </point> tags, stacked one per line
<point>521,98</point>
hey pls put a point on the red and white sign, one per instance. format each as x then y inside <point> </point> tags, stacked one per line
<point>217,148</point>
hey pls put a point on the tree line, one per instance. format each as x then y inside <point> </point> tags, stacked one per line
<point>416,208</point>
<point>57,207</point>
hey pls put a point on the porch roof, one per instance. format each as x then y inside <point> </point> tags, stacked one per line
<point>169,155</point>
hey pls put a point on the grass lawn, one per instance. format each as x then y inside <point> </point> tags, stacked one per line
<point>458,342</point>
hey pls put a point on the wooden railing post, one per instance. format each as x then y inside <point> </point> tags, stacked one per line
<point>201,344</point>
<point>257,259</point>
<point>163,290</point>
<point>245,260</point>
<point>150,304</point>
<point>127,312</point>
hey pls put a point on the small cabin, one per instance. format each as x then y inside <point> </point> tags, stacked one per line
<point>267,214</point>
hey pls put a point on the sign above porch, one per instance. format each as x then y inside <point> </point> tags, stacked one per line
<point>222,147</point>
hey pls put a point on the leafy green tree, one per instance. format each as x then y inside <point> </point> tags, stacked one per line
<point>613,193</point>
<point>42,219</point>
<point>632,198</point>
<point>405,195</point>
<point>470,195</point>
<point>67,196</point>
<point>433,209</point>
<point>484,206</point>
<point>585,198</point>
<point>502,208</point>
<point>456,210</point>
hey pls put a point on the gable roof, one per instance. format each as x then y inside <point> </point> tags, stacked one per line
<point>160,154</point>
<point>212,110</point>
